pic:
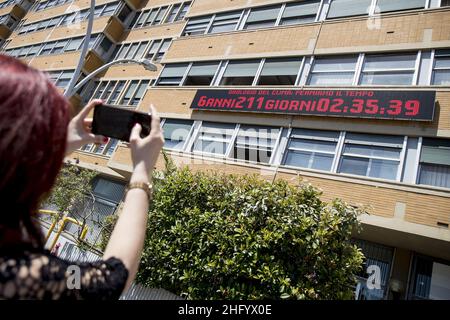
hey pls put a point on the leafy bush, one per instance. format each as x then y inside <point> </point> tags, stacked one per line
<point>217,236</point>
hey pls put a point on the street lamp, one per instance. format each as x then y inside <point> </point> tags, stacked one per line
<point>71,87</point>
<point>143,62</point>
<point>87,39</point>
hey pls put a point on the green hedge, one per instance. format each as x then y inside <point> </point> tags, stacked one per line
<point>215,236</point>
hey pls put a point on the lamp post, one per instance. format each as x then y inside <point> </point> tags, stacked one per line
<point>76,74</point>
<point>143,62</point>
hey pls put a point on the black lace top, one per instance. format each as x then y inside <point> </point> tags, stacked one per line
<point>41,275</point>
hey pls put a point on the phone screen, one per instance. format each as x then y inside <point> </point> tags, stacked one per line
<point>115,122</point>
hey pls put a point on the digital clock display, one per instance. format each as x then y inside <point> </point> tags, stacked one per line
<point>395,105</point>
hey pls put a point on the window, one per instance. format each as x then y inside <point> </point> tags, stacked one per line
<point>108,189</point>
<point>129,92</point>
<point>279,72</point>
<point>47,48</point>
<point>133,48</point>
<point>43,25</point>
<point>430,279</point>
<point>133,21</point>
<point>348,8</point>
<point>100,90</point>
<point>59,47</point>
<point>434,166</point>
<point>301,12</point>
<point>397,5</point>
<point>111,147</point>
<point>151,17</point>
<point>105,45</point>
<point>109,9</point>
<point>140,51</point>
<point>159,17</point>
<point>143,17</point>
<point>389,69</point>
<point>262,17</point>
<point>162,50</point>
<point>106,92</point>
<point>51,4</point>
<point>87,91</point>
<point>99,149</point>
<point>126,93</point>
<point>105,149</point>
<point>214,138</point>
<point>201,74</point>
<point>376,255</point>
<point>142,88</point>
<point>441,71</point>
<point>121,54</point>
<point>34,50</point>
<point>22,52</point>
<point>74,44</point>
<point>13,52</point>
<point>225,22</point>
<point>240,73</point>
<point>124,13</point>
<point>134,93</point>
<point>311,149</point>
<point>61,78</point>
<point>41,6</point>
<point>4,44</point>
<point>197,26</point>
<point>53,22</point>
<point>153,49</point>
<point>8,20</point>
<point>148,17</point>
<point>52,47</point>
<point>93,41</point>
<point>10,52</point>
<point>183,11</point>
<point>10,23</point>
<point>172,75</point>
<point>69,18</point>
<point>333,71</point>
<point>157,49</point>
<point>116,92</point>
<point>176,132</point>
<point>8,3</point>
<point>173,13</point>
<point>255,143</point>
<point>373,156</point>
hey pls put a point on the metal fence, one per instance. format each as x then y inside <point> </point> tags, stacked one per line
<point>138,292</point>
<point>70,252</point>
<point>93,213</point>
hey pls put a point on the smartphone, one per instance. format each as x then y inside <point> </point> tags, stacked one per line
<point>116,122</point>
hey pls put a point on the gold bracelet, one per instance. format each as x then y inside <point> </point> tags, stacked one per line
<point>146,186</point>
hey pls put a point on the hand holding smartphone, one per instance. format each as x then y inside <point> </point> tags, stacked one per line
<point>115,122</point>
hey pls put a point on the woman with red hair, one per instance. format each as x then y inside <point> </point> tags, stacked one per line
<point>35,135</point>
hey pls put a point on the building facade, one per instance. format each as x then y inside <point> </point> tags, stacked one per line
<point>11,12</point>
<point>352,96</point>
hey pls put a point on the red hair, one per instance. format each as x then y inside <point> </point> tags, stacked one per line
<point>33,128</point>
